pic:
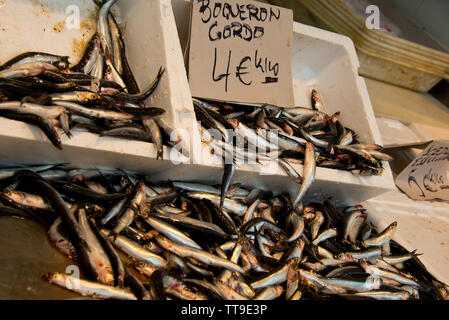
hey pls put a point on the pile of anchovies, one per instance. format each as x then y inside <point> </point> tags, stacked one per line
<point>99,94</point>
<point>134,239</point>
<point>269,132</point>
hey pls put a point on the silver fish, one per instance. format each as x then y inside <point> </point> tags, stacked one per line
<point>309,173</point>
<point>88,288</point>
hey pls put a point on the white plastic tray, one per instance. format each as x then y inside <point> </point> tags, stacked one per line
<point>327,62</point>
<point>151,41</point>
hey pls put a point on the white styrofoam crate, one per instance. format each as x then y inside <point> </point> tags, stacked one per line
<point>151,41</point>
<point>327,62</point>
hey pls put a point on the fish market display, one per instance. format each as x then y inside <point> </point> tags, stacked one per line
<point>242,133</point>
<point>98,94</point>
<point>133,239</point>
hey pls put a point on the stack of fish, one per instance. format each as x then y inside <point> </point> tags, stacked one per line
<point>99,94</point>
<point>136,240</point>
<point>272,133</point>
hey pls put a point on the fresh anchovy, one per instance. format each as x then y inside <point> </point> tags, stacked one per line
<point>29,69</point>
<point>171,232</point>
<point>288,168</point>
<point>227,292</point>
<point>323,253</point>
<point>290,142</point>
<point>270,293</point>
<point>309,173</point>
<point>96,187</point>
<point>191,224</point>
<point>85,193</point>
<point>179,289</point>
<point>298,226</point>
<point>226,182</point>
<point>136,251</point>
<point>249,214</point>
<point>89,58</point>
<point>176,139</point>
<point>114,211</point>
<point>145,269</point>
<point>275,277</point>
<point>370,253</point>
<point>27,199</point>
<point>196,187</point>
<point>320,283</point>
<point>316,101</point>
<point>205,287</point>
<point>345,271</point>
<point>103,28</point>
<point>79,175</point>
<point>59,240</point>
<point>380,295</point>
<point>49,111</point>
<point>229,204</point>
<point>326,234</point>
<point>128,215</point>
<point>400,258</point>
<point>326,263</point>
<point>253,138</point>
<point>126,219</point>
<point>372,270</point>
<point>355,228</point>
<point>382,237</point>
<point>223,218</point>
<point>347,221</point>
<point>141,97</point>
<point>115,37</point>
<point>128,133</point>
<point>82,97</point>
<point>259,223</point>
<point>292,282</point>
<point>136,286</point>
<point>88,288</point>
<point>316,224</point>
<point>367,147</point>
<point>346,139</point>
<point>97,256</point>
<point>156,136</point>
<point>37,119</point>
<point>56,202</point>
<point>28,57</point>
<point>296,251</point>
<point>112,74</point>
<point>198,254</point>
<point>148,204</point>
<point>371,283</point>
<point>93,113</point>
<point>380,155</point>
<point>117,265</point>
<point>64,120</point>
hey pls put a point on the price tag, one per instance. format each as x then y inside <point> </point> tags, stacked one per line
<point>241,51</point>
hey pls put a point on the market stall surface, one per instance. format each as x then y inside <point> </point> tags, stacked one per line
<point>25,255</point>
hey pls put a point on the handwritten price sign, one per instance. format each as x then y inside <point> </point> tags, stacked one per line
<point>241,51</point>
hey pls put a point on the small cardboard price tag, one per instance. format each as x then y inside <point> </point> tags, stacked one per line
<point>241,51</point>
<point>427,177</point>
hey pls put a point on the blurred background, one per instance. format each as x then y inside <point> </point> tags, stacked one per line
<point>409,49</point>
